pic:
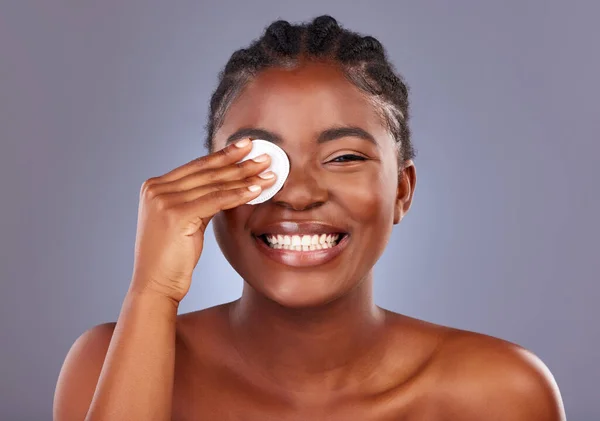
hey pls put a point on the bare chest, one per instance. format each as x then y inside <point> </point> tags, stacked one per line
<point>212,383</point>
<point>223,399</point>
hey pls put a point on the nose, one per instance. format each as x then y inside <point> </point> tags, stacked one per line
<point>302,190</point>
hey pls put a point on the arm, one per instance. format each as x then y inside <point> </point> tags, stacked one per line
<point>123,371</point>
<point>131,378</point>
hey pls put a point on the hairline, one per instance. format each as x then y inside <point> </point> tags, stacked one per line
<point>378,103</point>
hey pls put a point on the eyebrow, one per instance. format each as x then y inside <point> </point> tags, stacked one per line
<point>325,136</point>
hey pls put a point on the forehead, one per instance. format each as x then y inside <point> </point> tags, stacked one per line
<point>302,101</point>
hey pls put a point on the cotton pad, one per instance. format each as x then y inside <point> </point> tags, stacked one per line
<point>280,165</point>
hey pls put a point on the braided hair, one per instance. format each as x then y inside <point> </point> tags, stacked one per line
<point>362,59</point>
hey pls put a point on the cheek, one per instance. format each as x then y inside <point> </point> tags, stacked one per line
<point>227,226</point>
<point>368,198</point>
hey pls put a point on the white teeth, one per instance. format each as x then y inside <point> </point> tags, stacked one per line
<point>302,242</point>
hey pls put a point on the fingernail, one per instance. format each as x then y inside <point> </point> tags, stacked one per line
<point>242,143</point>
<point>254,188</point>
<point>261,158</point>
<point>267,175</point>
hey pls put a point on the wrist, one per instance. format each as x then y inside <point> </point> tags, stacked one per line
<point>152,295</point>
<point>144,283</point>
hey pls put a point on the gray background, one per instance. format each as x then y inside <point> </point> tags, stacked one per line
<point>95,97</point>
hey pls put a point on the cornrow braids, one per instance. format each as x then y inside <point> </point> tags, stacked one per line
<point>362,59</point>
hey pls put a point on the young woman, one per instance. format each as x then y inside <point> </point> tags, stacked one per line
<point>305,340</point>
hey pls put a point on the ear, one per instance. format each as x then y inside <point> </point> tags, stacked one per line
<point>407,180</point>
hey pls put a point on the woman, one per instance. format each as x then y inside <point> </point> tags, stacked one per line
<point>305,339</point>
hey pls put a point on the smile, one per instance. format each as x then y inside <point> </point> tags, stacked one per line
<point>301,255</point>
<point>302,242</point>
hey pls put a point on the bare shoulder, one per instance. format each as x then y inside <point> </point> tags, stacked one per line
<point>80,372</point>
<point>482,376</point>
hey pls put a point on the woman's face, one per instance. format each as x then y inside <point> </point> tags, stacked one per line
<point>344,183</point>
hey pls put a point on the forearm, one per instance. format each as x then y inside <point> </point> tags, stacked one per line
<point>136,381</point>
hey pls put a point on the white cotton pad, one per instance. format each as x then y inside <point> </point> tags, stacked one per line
<point>280,165</point>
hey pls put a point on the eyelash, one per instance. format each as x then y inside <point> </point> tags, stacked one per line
<point>353,158</point>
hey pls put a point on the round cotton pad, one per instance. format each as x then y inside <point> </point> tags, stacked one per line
<point>280,165</point>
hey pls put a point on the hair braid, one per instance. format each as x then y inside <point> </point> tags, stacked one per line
<point>322,34</point>
<point>363,59</point>
<point>282,38</point>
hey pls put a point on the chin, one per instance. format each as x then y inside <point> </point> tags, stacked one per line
<point>300,291</point>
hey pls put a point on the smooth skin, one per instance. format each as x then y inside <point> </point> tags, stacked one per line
<point>301,343</point>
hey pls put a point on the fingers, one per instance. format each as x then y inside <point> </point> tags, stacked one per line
<point>221,158</point>
<point>217,176</point>
<point>197,213</point>
<point>263,180</point>
<point>192,209</point>
<point>189,196</point>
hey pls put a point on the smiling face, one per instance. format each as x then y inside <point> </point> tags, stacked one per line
<point>344,180</point>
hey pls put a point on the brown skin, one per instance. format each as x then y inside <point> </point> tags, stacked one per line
<point>310,342</point>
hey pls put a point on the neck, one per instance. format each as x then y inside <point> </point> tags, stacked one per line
<point>302,349</point>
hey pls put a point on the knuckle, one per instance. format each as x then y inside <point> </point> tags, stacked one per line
<point>239,192</point>
<point>151,192</point>
<point>160,202</point>
<point>243,166</point>
<point>212,176</point>
<point>147,184</point>
<point>227,151</point>
<point>219,187</point>
<point>244,169</point>
<point>220,195</point>
<point>247,182</point>
<point>200,162</point>
<point>217,194</point>
<point>222,154</point>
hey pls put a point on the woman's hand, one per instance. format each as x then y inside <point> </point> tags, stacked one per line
<point>175,209</point>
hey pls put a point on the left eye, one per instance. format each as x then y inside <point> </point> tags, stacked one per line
<point>348,158</point>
